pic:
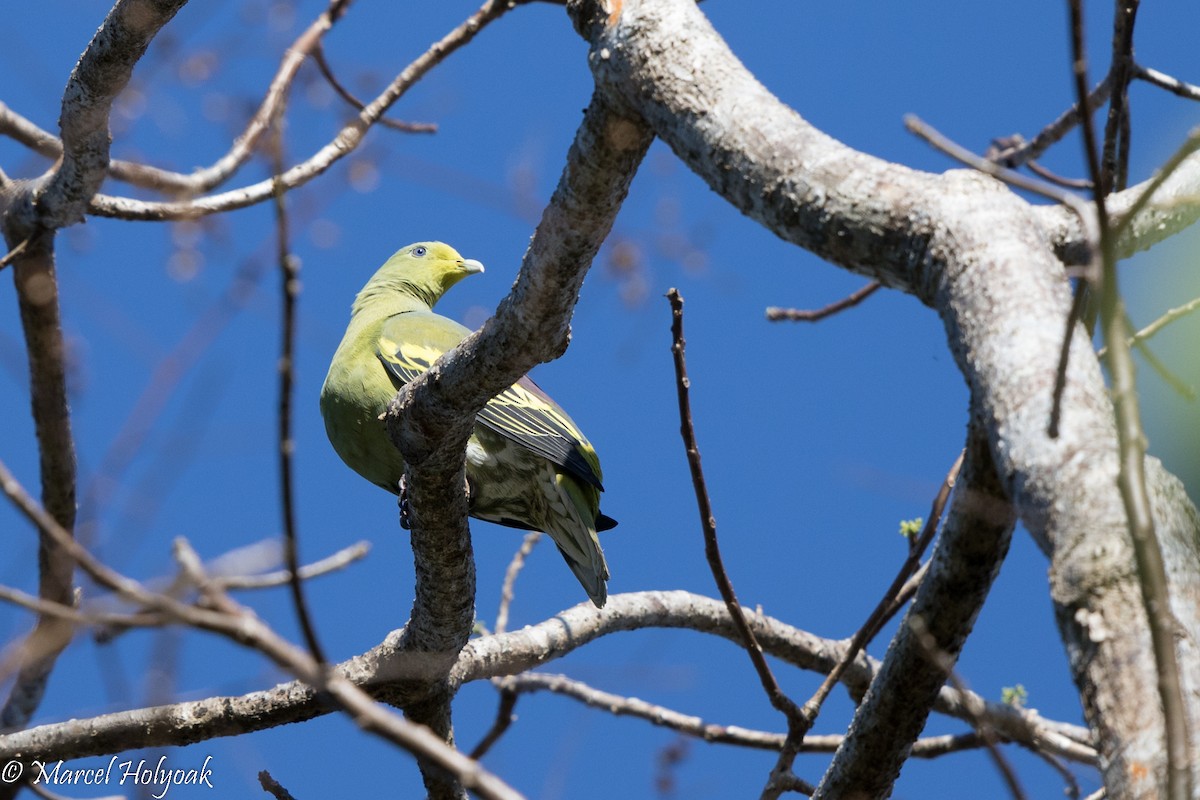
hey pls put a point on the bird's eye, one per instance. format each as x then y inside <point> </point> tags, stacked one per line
<point>419,251</point>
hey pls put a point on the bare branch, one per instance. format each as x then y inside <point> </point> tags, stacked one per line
<point>289,273</point>
<point>345,142</point>
<point>775,313</point>
<point>510,578</point>
<point>331,563</point>
<point>1015,151</point>
<point>318,54</point>
<point>504,719</point>
<point>1163,81</point>
<point>1150,330</point>
<point>101,74</point>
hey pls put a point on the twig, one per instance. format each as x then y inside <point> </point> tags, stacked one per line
<point>1058,180</point>
<point>331,563</point>
<point>781,776</point>
<point>74,615</point>
<point>880,614</point>
<point>708,522</point>
<point>1150,330</point>
<point>504,720</point>
<point>917,126</point>
<point>1079,301</point>
<point>273,787</point>
<point>1015,151</point>
<point>1115,158</point>
<point>345,142</point>
<point>1152,576</point>
<point>510,578</point>
<point>13,253</point>
<point>289,273</point>
<point>1164,81</point>
<point>1177,159</point>
<point>1072,789</point>
<point>775,313</point>
<point>318,55</point>
<point>489,656</point>
<point>1164,372</point>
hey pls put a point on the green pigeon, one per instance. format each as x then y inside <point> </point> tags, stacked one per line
<point>528,465</point>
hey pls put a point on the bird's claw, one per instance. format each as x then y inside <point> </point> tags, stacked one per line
<point>405,516</point>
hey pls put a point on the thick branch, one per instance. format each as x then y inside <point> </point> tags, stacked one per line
<point>97,79</point>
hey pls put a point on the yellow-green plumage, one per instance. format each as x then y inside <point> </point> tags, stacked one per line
<point>528,465</point>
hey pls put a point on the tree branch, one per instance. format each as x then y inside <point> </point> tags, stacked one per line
<point>345,142</point>
<point>386,670</point>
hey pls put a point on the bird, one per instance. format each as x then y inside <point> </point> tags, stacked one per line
<point>528,465</point>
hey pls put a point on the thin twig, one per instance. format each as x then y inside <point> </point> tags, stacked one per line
<point>1079,300</point>
<point>1164,372</point>
<point>1072,789</point>
<point>1165,81</point>
<point>959,153</point>
<point>781,777</point>
<point>1115,158</point>
<point>1058,180</point>
<point>345,142</point>
<point>504,720</point>
<point>510,578</point>
<point>1177,159</point>
<point>1150,330</point>
<point>776,313</point>
<point>273,787</point>
<point>331,563</point>
<point>289,273</point>
<point>12,254</point>
<point>75,615</point>
<point>708,522</point>
<point>880,614</point>
<point>318,55</point>
<point>1015,151</point>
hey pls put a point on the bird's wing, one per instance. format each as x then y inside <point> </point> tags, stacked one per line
<point>410,343</point>
<point>526,415</point>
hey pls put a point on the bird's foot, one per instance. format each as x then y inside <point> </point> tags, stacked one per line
<point>405,516</point>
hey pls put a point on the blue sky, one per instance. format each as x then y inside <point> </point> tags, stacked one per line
<point>817,440</point>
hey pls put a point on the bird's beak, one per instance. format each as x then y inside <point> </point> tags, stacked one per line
<point>471,266</point>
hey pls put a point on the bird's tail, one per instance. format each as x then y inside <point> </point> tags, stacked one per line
<point>575,535</point>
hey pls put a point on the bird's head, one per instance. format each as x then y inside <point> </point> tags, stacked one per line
<point>424,270</point>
